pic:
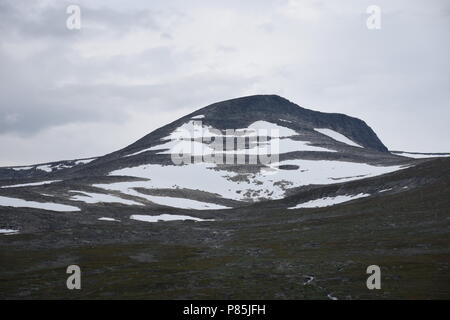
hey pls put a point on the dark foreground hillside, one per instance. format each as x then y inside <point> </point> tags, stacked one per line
<point>255,252</point>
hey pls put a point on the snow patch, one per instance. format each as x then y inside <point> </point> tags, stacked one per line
<point>165,217</point>
<point>46,168</point>
<point>21,168</point>
<point>193,129</point>
<point>181,203</point>
<point>90,197</point>
<point>8,231</point>
<point>30,184</point>
<point>338,137</point>
<point>272,129</point>
<point>70,164</point>
<point>108,219</point>
<point>209,178</point>
<point>20,203</point>
<point>331,297</point>
<point>175,202</point>
<point>329,201</point>
<point>417,155</point>
<point>180,141</point>
<point>273,146</point>
<point>84,161</point>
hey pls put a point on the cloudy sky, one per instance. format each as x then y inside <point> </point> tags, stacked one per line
<point>137,65</point>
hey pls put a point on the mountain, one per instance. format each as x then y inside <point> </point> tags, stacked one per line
<point>311,148</point>
<point>241,112</point>
<point>251,186</point>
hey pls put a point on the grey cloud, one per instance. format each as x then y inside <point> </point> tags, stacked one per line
<point>49,19</point>
<point>396,78</point>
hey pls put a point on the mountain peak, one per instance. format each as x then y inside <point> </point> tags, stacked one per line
<point>241,112</point>
<point>266,103</point>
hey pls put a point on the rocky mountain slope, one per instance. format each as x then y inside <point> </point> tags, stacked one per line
<point>283,147</point>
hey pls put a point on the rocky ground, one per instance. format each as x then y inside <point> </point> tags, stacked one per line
<point>259,251</point>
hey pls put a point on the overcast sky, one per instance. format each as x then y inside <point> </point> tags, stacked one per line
<point>137,65</point>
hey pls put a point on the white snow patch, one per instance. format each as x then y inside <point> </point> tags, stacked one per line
<point>193,129</point>
<point>200,116</point>
<point>207,177</point>
<point>84,161</point>
<point>196,129</point>
<point>165,217</point>
<point>338,137</point>
<point>273,146</point>
<point>384,190</point>
<point>175,202</point>
<point>179,141</point>
<point>56,167</point>
<point>90,197</point>
<point>108,219</point>
<point>181,203</point>
<point>420,155</point>
<point>21,168</point>
<point>52,167</point>
<point>8,231</point>
<point>331,297</point>
<point>46,168</point>
<point>20,203</point>
<point>30,184</point>
<point>138,152</point>
<point>272,129</point>
<point>194,148</point>
<point>329,201</point>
